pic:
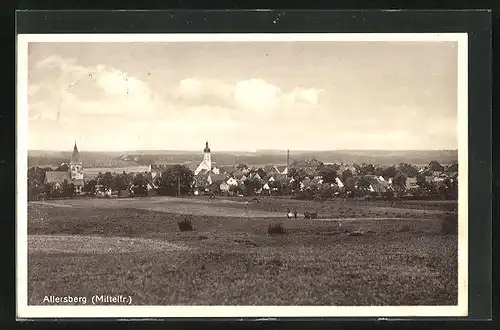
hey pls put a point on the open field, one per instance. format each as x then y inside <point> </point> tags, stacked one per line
<point>134,247</point>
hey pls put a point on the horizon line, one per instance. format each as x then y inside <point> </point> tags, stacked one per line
<point>245,151</point>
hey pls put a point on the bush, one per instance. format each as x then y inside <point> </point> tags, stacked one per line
<point>275,228</point>
<point>404,228</point>
<point>449,225</point>
<point>185,225</point>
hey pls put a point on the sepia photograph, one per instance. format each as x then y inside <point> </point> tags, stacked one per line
<point>259,175</point>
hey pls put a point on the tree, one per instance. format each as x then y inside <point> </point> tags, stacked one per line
<point>241,189</point>
<point>448,189</point>
<point>120,182</point>
<point>67,189</point>
<point>350,184</point>
<point>328,173</point>
<point>426,188</point>
<point>283,187</point>
<point>252,185</point>
<point>63,168</point>
<point>366,169</point>
<point>105,180</point>
<point>36,185</point>
<point>297,174</point>
<point>379,171</point>
<point>89,186</point>
<point>215,187</point>
<point>452,168</point>
<point>408,170</point>
<point>140,185</point>
<point>363,183</point>
<point>390,172</point>
<point>242,167</point>
<point>399,182</point>
<point>434,166</point>
<point>173,179</point>
<point>346,174</point>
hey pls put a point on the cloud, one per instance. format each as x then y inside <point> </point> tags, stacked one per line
<point>80,100</point>
<point>248,97</point>
<point>75,90</point>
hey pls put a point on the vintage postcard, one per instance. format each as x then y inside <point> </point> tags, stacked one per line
<point>242,175</point>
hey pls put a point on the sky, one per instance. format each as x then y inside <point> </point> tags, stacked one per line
<point>244,96</point>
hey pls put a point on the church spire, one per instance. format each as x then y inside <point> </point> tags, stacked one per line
<point>207,149</point>
<point>75,157</point>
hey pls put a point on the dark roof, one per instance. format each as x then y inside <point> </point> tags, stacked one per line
<point>218,177</point>
<point>227,169</point>
<point>238,174</point>
<point>207,149</point>
<point>204,172</point>
<point>75,157</point>
<point>57,177</point>
<point>281,168</point>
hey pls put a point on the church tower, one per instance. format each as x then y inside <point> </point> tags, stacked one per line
<point>206,156</point>
<point>76,170</point>
<point>206,164</point>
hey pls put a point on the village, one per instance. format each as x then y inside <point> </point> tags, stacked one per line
<point>297,178</point>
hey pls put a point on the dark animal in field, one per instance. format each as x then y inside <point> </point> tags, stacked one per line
<point>310,215</point>
<point>211,196</point>
<point>255,199</point>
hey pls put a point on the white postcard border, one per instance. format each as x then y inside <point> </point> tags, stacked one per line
<point>24,311</point>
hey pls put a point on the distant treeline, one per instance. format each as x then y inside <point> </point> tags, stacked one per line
<point>114,159</point>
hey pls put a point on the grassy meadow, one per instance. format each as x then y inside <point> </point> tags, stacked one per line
<point>354,254</point>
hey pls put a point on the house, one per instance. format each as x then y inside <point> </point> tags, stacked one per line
<point>256,176</point>
<point>306,184</point>
<point>270,169</point>
<point>340,184</point>
<point>56,179</point>
<point>243,178</point>
<point>238,175</point>
<point>214,178</point>
<point>227,169</point>
<point>281,169</point>
<point>224,187</point>
<point>232,182</point>
<point>378,187</point>
<point>411,184</point>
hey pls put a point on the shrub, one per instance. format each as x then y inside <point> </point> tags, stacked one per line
<point>275,228</point>
<point>185,225</point>
<point>404,228</point>
<point>449,225</point>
